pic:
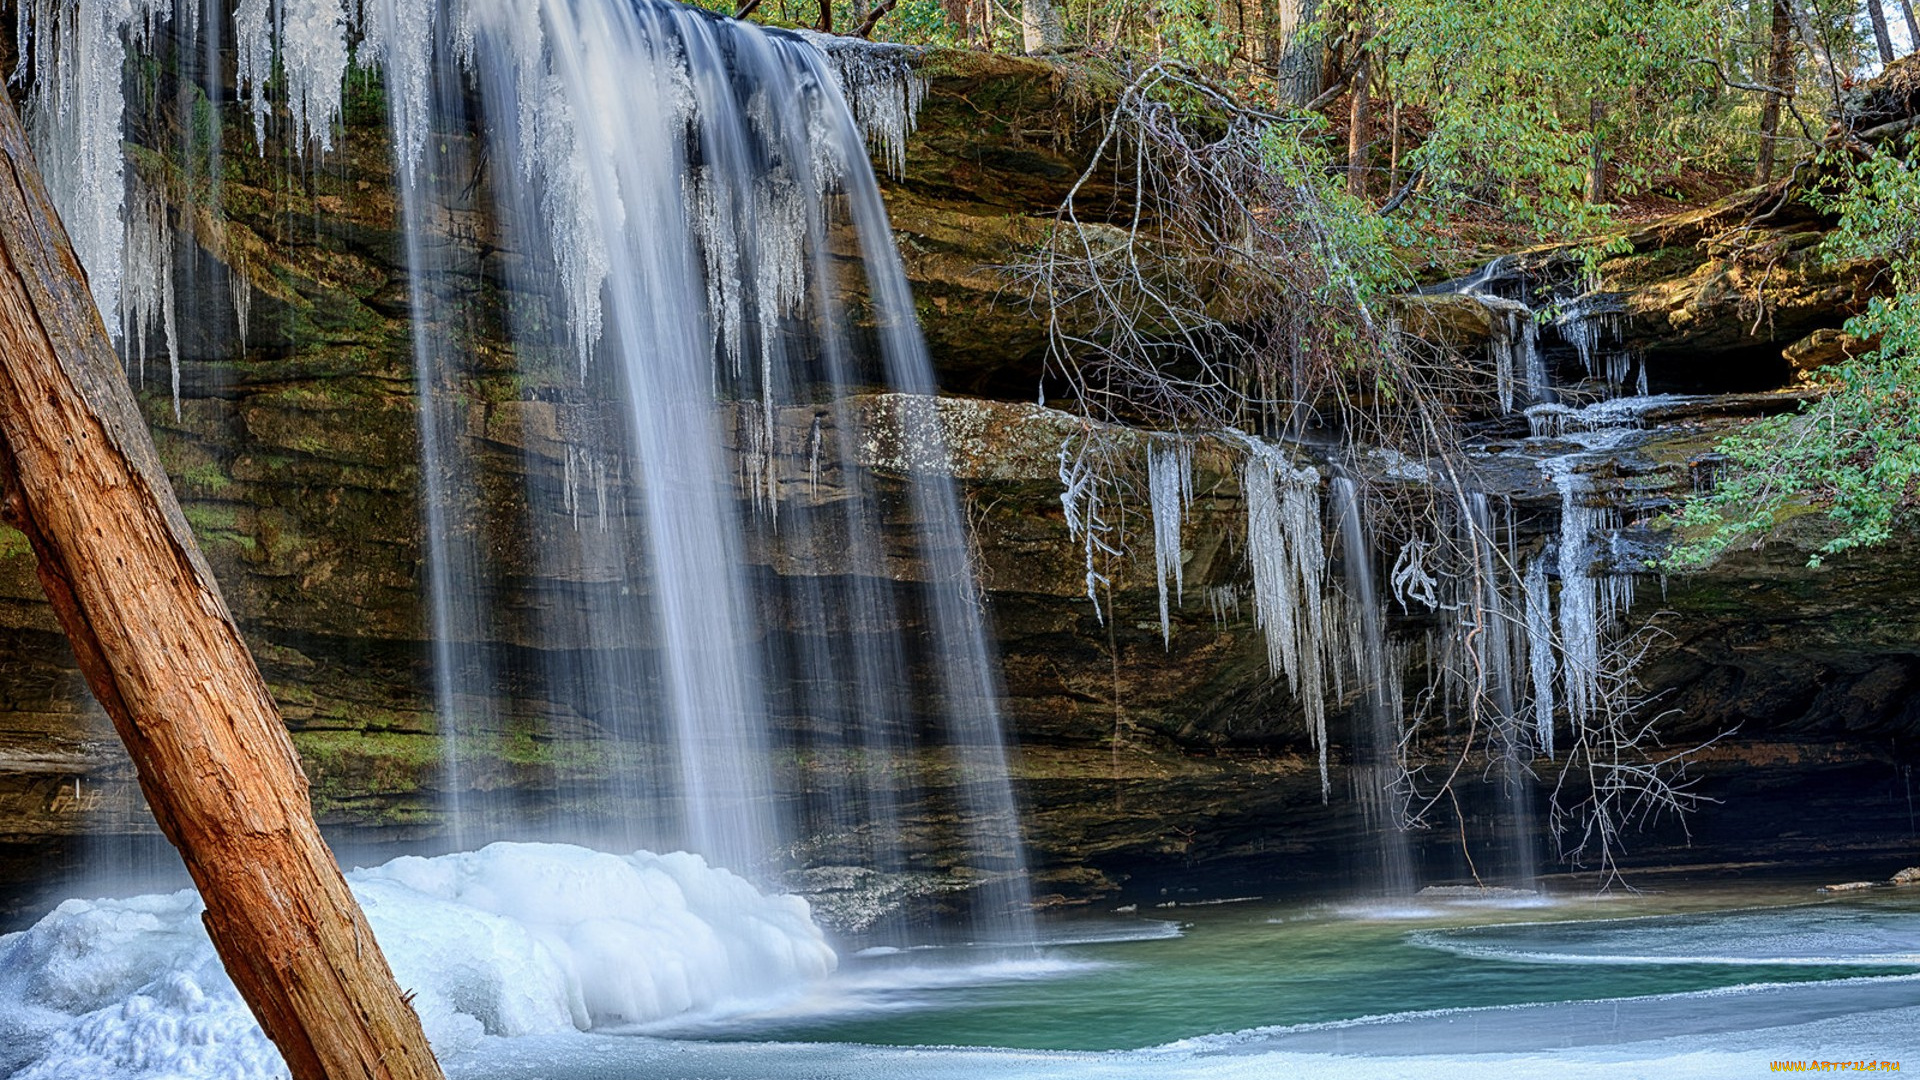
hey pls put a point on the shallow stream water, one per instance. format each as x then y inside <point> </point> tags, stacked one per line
<point>1693,981</point>
<point>557,962</point>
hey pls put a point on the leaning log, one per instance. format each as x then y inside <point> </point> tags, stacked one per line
<point>161,652</point>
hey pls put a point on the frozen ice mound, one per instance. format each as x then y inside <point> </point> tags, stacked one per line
<point>514,939</point>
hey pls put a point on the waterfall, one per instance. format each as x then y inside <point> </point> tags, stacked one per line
<point>681,175</point>
<point>678,214</point>
<point>1378,771</point>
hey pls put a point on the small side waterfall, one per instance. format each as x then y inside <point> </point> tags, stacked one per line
<point>1377,768</point>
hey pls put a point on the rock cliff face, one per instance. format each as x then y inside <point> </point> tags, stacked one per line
<point>294,451</point>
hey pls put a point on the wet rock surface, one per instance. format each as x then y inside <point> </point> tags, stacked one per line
<point>1144,765</point>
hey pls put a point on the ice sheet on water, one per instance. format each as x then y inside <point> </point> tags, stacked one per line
<point>1839,935</point>
<point>1718,1034</point>
<point>514,939</point>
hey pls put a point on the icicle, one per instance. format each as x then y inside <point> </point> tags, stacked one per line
<point>1580,623</point>
<point>1533,366</point>
<point>253,44</point>
<point>780,256</point>
<point>552,155</point>
<point>569,488</point>
<point>398,34</point>
<point>756,458</point>
<point>882,89</point>
<point>1502,347</point>
<point>1550,421</point>
<point>713,218</point>
<point>242,292</point>
<point>600,491</point>
<point>312,40</point>
<point>74,114</point>
<point>1589,328</point>
<point>1080,502</point>
<point>1288,554</point>
<point>816,437</point>
<point>313,56</point>
<point>1223,603</point>
<point>1540,659</point>
<point>148,301</point>
<point>1169,492</point>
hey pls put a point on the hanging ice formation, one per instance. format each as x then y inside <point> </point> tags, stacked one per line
<point>883,89</point>
<point>1169,492</point>
<point>148,303</point>
<point>1287,551</point>
<point>73,52</point>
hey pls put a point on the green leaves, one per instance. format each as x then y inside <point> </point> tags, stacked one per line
<point>1519,94</point>
<point>1856,452</point>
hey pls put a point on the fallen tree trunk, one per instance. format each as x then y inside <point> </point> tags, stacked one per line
<point>162,654</point>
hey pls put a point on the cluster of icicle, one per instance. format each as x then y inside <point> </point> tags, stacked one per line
<point>1590,604</point>
<point>1288,555</point>
<point>1169,493</point>
<point>1590,323</point>
<point>1520,374</point>
<point>73,52</point>
<point>1535,656</point>
<point>883,89</point>
<point>1286,550</point>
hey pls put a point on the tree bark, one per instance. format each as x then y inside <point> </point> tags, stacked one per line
<point>1913,27</point>
<point>1780,80</point>
<point>1040,26</point>
<point>1360,126</point>
<point>160,650</point>
<point>1877,15</point>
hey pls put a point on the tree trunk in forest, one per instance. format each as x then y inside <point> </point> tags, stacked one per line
<point>1393,145</point>
<point>1780,80</point>
<point>1295,58</point>
<point>1878,16</point>
<point>1360,126</point>
<point>1040,26</point>
<point>1913,27</point>
<point>160,651</point>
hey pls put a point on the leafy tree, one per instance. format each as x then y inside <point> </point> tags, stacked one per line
<point>1855,452</point>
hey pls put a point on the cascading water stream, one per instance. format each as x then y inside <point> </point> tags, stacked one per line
<point>1377,769</point>
<point>464,684</point>
<point>681,174</point>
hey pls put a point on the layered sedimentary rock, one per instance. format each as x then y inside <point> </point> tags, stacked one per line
<point>294,450</point>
